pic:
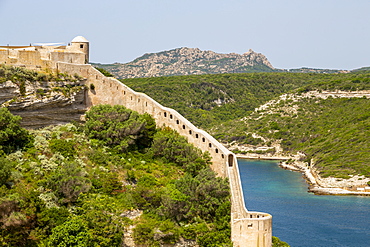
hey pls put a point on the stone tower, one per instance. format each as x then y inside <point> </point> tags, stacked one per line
<point>81,44</point>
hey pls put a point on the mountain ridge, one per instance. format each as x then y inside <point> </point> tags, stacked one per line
<point>189,61</point>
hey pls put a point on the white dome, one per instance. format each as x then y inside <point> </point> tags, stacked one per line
<point>79,39</point>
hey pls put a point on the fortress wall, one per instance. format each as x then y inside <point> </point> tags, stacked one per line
<point>67,57</point>
<point>29,58</point>
<point>3,56</point>
<point>247,228</point>
<point>25,58</point>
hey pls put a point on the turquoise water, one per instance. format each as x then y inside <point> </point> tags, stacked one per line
<point>301,218</point>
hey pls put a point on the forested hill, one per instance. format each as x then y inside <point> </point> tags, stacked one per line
<point>322,128</point>
<point>189,61</point>
<point>209,100</point>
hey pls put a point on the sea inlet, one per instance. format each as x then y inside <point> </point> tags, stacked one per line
<point>301,218</point>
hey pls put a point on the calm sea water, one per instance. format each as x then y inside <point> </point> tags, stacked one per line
<point>301,218</point>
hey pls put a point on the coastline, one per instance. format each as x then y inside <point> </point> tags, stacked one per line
<point>317,185</point>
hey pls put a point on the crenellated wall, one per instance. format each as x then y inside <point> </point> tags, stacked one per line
<point>248,229</point>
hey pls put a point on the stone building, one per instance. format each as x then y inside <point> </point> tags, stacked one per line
<point>42,56</point>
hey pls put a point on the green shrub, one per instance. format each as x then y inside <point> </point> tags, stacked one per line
<point>120,128</point>
<point>12,135</point>
<point>276,242</point>
<point>71,233</point>
<point>64,147</point>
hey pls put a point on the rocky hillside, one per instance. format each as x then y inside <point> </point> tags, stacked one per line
<point>41,99</point>
<point>189,61</point>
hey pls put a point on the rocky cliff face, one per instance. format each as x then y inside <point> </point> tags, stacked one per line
<point>44,103</point>
<point>189,61</point>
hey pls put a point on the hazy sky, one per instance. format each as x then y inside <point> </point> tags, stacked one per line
<point>290,33</point>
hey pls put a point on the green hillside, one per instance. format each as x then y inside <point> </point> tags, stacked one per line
<point>333,133</point>
<point>209,100</point>
<point>81,185</point>
<point>196,98</point>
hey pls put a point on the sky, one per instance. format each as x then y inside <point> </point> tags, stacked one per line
<point>333,34</point>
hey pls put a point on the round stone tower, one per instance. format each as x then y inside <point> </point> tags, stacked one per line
<point>81,44</point>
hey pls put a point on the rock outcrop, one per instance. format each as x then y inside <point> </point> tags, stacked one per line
<point>189,61</point>
<point>44,103</point>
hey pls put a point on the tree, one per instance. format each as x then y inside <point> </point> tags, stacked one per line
<point>5,170</point>
<point>71,233</point>
<point>119,127</point>
<point>170,146</point>
<point>69,182</point>
<point>12,135</point>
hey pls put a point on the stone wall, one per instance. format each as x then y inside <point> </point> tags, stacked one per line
<point>247,228</point>
<point>35,59</point>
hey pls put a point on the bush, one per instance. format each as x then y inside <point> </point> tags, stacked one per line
<point>64,147</point>
<point>276,242</point>
<point>5,170</point>
<point>71,233</point>
<point>12,135</point>
<point>171,147</point>
<point>120,128</point>
<point>104,72</point>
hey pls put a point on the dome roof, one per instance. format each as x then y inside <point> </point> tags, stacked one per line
<point>79,39</point>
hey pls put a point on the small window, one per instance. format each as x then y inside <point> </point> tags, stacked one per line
<point>81,46</point>
<point>196,136</point>
<point>165,114</point>
<point>183,126</point>
<point>222,156</point>
<point>146,103</point>
<point>216,151</point>
<point>190,132</point>
<point>204,139</point>
<point>177,121</point>
<point>124,92</point>
<point>171,116</point>
<point>210,145</point>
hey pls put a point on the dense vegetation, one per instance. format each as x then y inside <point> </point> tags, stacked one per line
<point>77,185</point>
<point>12,135</point>
<point>208,100</point>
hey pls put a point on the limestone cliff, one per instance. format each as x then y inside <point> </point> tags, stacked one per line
<point>44,103</point>
<point>189,61</point>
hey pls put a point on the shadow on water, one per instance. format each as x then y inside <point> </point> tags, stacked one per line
<point>301,218</point>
